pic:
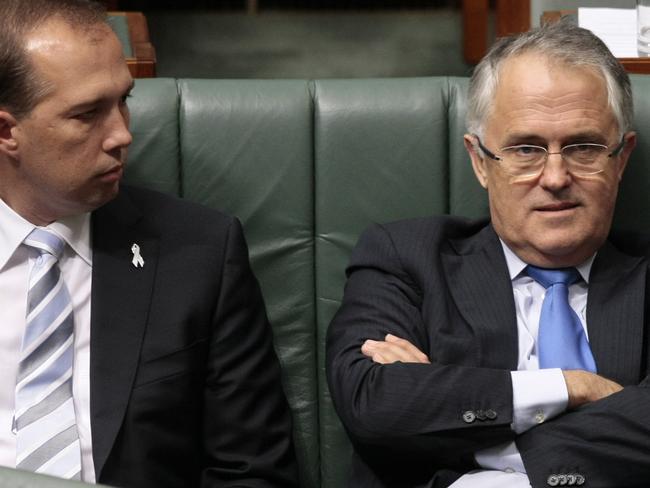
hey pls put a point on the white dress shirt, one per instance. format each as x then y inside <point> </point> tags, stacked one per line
<point>76,267</point>
<point>538,394</point>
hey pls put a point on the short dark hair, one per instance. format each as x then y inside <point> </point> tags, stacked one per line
<point>562,42</point>
<point>20,87</point>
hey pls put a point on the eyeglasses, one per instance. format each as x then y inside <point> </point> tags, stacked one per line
<point>527,161</point>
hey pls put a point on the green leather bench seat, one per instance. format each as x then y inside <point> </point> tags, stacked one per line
<point>13,478</point>
<point>307,165</point>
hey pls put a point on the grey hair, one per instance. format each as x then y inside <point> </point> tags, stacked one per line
<point>562,42</point>
<point>20,86</point>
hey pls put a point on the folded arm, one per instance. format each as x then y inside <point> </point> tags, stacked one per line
<point>414,406</point>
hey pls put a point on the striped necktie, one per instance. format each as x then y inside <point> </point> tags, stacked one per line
<point>562,342</point>
<point>44,418</point>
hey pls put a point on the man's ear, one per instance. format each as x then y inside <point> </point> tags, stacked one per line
<point>478,163</point>
<point>8,143</point>
<point>630,144</point>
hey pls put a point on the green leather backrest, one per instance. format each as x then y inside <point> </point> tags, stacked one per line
<point>633,206</point>
<point>381,153</point>
<point>306,165</point>
<point>154,157</point>
<point>245,149</point>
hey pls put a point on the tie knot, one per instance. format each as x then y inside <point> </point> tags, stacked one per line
<point>45,241</point>
<point>548,277</point>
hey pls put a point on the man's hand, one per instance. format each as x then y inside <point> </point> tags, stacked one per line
<point>585,387</point>
<point>393,349</point>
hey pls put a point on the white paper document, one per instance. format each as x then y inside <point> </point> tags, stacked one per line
<point>615,26</point>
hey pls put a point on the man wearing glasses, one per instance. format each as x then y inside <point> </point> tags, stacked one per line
<point>509,353</point>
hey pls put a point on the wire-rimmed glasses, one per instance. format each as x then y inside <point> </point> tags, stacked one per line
<point>528,160</point>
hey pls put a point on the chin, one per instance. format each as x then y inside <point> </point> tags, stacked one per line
<point>564,253</point>
<point>93,202</point>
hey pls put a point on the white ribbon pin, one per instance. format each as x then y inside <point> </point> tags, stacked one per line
<point>137,258</point>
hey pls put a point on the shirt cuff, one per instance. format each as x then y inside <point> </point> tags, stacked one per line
<point>504,457</point>
<point>537,396</point>
<point>492,479</point>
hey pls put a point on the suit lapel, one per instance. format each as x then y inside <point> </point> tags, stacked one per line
<point>615,314</point>
<point>479,283</point>
<point>121,296</point>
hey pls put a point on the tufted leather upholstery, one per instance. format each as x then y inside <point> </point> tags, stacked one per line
<point>306,166</point>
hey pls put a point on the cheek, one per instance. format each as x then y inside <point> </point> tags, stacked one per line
<point>507,202</point>
<point>599,194</point>
<point>602,208</point>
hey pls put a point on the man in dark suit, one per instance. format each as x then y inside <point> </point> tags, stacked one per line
<point>453,360</point>
<point>135,349</point>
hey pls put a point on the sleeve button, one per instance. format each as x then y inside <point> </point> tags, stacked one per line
<point>552,480</point>
<point>469,417</point>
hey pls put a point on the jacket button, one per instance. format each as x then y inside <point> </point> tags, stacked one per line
<point>562,479</point>
<point>480,414</point>
<point>491,414</point>
<point>469,417</point>
<point>580,480</point>
<point>552,480</point>
<point>571,479</point>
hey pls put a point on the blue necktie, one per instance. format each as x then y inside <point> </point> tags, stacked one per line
<point>561,340</point>
<point>44,419</point>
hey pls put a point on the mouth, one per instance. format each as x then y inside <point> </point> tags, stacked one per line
<point>114,173</point>
<point>557,207</point>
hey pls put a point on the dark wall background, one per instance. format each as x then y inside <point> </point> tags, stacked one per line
<point>280,4</point>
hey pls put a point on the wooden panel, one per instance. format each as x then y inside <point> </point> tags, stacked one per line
<point>475,29</point>
<point>639,66</point>
<point>512,17</point>
<point>143,62</point>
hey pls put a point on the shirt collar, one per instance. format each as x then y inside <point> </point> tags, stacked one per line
<point>75,230</point>
<point>516,266</point>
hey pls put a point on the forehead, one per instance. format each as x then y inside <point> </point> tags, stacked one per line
<point>537,94</point>
<point>77,63</point>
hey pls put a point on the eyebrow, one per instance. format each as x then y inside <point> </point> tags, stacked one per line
<point>516,139</point>
<point>588,136</point>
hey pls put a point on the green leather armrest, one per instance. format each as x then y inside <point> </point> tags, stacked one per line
<point>14,478</point>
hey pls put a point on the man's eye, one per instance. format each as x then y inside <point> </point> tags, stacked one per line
<point>584,148</point>
<point>527,150</point>
<point>585,152</point>
<point>87,115</point>
<point>524,152</point>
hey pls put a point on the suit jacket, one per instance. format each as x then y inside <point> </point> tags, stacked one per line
<point>443,284</point>
<point>185,384</point>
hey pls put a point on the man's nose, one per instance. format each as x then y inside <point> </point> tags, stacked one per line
<point>119,135</point>
<point>555,174</point>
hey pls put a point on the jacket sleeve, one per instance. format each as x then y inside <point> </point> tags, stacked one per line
<point>604,442</point>
<point>442,412</point>
<point>247,424</point>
